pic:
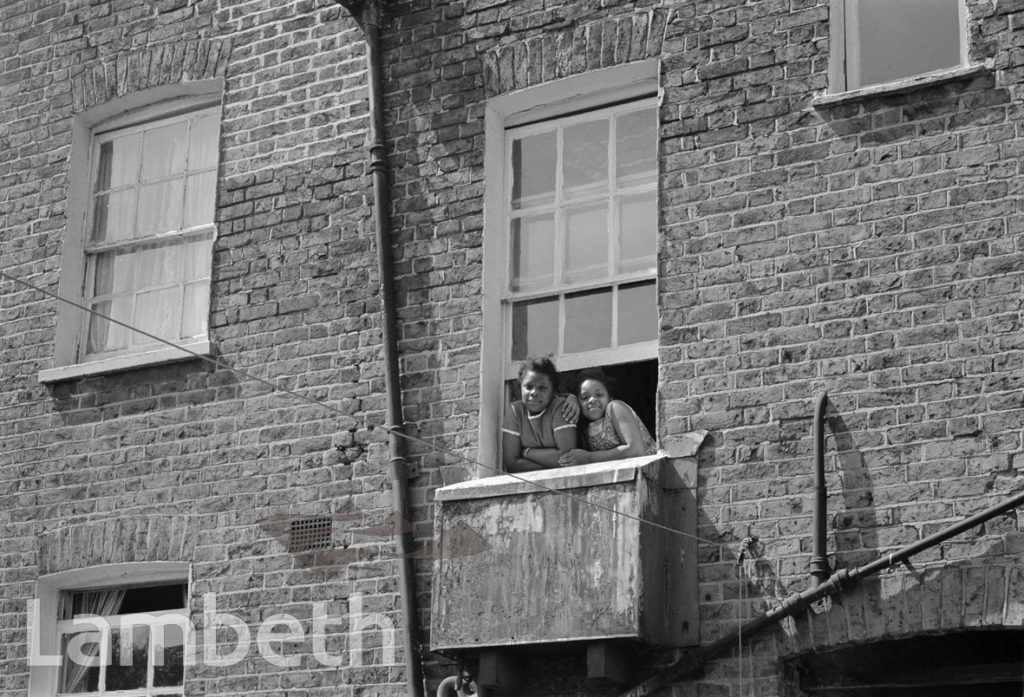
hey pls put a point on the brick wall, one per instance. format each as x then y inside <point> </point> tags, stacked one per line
<point>187,461</point>
<point>868,249</point>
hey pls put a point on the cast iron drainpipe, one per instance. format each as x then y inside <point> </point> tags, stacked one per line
<point>820,570</point>
<point>838,582</point>
<point>367,14</point>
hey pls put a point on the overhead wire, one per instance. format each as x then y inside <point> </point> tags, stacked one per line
<point>217,363</point>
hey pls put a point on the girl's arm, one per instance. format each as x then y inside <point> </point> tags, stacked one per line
<point>571,409</point>
<point>516,458</point>
<point>519,459</point>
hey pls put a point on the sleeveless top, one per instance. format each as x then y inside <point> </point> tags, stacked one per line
<point>602,434</point>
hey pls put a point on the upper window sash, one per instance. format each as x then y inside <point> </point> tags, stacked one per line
<point>554,210</point>
<point>877,42</point>
<point>580,236</point>
<point>153,179</point>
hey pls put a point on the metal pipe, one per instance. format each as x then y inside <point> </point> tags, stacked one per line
<point>820,569</point>
<point>368,14</point>
<point>837,583</point>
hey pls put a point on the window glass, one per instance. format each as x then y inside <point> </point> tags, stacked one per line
<point>586,232</point>
<point>588,321</point>
<point>888,40</point>
<point>534,160</point>
<point>638,315</point>
<point>585,158</point>
<point>581,232</point>
<point>133,639</point>
<point>160,207</point>
<point>533,251</point>
<point>534,328</point>
<point>636,145</point>
<point>153,208</point>
<point>638,227</point>
<point>200,190</point>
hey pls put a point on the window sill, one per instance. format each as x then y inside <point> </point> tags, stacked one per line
<point>900,86</point>
<point>187,352</point>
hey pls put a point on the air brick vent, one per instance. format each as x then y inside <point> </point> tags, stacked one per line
<point>310,534</point>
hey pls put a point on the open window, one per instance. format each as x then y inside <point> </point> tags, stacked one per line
<point>123,639</point>
<point>570,244</point>
<point>122,629</point>
<point>875,42</point>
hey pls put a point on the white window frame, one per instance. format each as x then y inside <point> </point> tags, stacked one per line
<point>592,90</point>
<point>72,320</point>
<point>44,624</point>
<point>844,54</point>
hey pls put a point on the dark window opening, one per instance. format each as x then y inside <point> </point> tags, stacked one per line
<point>636,384</point>
<point>156,598</point>
<point>961,664</point>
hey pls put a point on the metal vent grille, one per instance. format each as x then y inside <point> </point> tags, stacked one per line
<point>309,534</point>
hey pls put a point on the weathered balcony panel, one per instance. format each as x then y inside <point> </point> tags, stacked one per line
<point>520,564</point>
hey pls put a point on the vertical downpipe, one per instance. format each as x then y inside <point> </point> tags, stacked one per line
<point>820,570</point>
<point>368,14</point>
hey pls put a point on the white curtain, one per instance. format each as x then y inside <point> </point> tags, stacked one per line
<point>102,603</point>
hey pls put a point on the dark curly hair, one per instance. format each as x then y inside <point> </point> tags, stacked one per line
<point>544,366</point>
<point>595,374</point>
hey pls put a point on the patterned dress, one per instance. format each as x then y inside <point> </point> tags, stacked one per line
<point>602,434</point>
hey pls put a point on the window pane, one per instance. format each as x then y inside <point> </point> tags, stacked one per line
<point>586,255</point>
<point>114,273</point>
<point>588,321</point>
<point>195,311</point>
<point>903,38</point>
<point>636,147</point>
<point>118,162</point>
<point>585,158</point>
<point>200,194</point>
<point>102,182</point>
<point>638,232</point>
<point>197,256</point>
<point>638,313</point>
<point>80,670</point>
<point>168,656</point>
<point>156,312</point>
<point>533,248</point>
<point>114,216</point>
<point>163,151</point>
<point>202,147</point>
<point>533,170</point>
<point>129,658</point>
<point>105,335</point>
<point>157,265</point>
<point>534,328</point>
<point>160,207</point>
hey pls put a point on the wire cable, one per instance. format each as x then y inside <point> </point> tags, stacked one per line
<point>217,363</point>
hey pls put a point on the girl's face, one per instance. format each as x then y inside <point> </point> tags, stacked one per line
<point>593,399</point>
<point>537,391</point>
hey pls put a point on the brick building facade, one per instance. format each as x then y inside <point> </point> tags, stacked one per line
<point>815,231</point>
